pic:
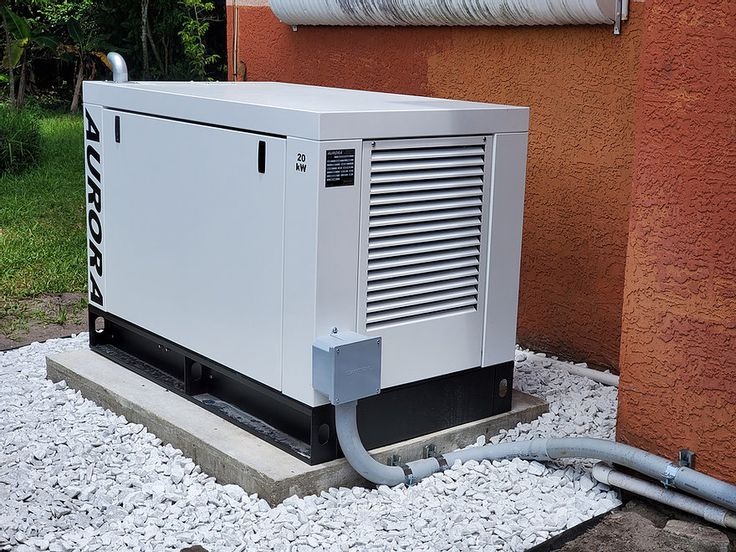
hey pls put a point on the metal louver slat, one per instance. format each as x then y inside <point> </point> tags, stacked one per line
<point>432,309</point>
<point>426,153</point>
<point>435,205</point>
<point>398,272</point>
<point>413,249</point>
<point>433,174</point>
<point>419,216</point>
<point>422,227</point>
<point>390,241</point>
<point>417,281</point>
<point>422,258</point>
<point>390,187</point>
<point>423,164</point>
<point>429,195</point>
<point>424,231</point>
<point>412,301</point>
<point>422,289</point>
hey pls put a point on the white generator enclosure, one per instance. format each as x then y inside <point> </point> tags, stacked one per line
<point>234,225</point>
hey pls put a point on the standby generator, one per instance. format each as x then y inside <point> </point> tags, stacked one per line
<point>261,247</point>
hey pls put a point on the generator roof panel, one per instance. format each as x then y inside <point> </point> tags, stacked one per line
<point>311,112</point>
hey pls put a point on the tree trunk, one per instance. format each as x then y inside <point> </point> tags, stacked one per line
<point>77,87</point>
<point>154,49</point>
<point>21,97</point>
<point>167,57</point>
<point>11,75</point>
<point>144,39</point>
<point>31,76</point>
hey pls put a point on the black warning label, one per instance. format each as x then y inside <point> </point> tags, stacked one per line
<point>340,168</point>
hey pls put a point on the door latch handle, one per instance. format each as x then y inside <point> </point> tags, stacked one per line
<point>261,156</point>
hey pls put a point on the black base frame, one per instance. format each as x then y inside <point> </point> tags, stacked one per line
<point>396,414</point>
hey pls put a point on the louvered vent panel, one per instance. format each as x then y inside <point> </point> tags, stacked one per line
<point>424,231</point>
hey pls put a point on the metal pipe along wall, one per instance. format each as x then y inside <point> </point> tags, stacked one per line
<point>444,12</point>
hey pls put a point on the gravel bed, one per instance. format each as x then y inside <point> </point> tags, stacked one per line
<point>76,477</point>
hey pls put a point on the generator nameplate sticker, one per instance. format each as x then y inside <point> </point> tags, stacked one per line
<point>340,168</point>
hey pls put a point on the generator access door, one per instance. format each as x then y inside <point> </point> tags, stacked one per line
<point>194,237</point>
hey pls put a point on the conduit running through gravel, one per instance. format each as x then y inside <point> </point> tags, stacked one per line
<point>74,476</point>
<point>696,483</point>
<point>605,378</point>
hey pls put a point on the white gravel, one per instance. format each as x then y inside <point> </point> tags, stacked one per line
<point>76,477</point>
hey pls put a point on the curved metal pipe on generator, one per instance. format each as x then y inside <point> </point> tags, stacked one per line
<point>119,67</point>
<point>444,12</point>
<point>651,465</point>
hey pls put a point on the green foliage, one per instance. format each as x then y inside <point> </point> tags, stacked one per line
<point>59,12</point>
<point>20,33</point>
<point>42,222</point>
<point>20,140</point>
<point>168,40</point>
<point>24,34</point>
<point>46,100</point>
<point>195,24</point>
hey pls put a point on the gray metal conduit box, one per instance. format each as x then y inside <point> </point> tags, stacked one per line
<point>346,366</point>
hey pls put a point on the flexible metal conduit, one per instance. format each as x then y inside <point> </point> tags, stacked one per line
<point>706,510</point>
<point>444,12</point>
<point>656,467</point>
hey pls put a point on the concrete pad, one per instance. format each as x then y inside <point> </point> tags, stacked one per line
<point>233,455</point>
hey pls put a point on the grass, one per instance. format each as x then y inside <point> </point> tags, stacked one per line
<point>42,226</point>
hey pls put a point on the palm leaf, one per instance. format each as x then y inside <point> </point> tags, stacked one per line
<point>46,41</point>
<point>13,53</point>
<point>17,25</point>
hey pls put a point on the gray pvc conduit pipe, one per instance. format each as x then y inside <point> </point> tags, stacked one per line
<point>710,512</point>
<point>346,425</point>
<point>656,467</point>
<point>606,378</point>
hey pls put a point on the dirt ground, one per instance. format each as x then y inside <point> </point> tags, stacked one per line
<point>40,318</point>
<point>642,526</point>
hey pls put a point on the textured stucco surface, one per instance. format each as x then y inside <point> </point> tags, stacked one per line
<point>580,84</point>
<point>678,355</point>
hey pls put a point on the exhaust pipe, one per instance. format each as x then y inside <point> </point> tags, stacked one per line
<point>119,67</point>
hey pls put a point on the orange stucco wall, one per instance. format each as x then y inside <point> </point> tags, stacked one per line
<point>580,85</point>
<point>678,355</point>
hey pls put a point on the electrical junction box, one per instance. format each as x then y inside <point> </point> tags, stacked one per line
<point>346,366</point>
<point>232,226</point>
